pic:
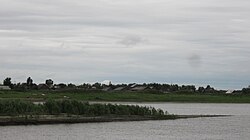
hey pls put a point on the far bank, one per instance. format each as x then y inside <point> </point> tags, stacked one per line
<point>126,96</point>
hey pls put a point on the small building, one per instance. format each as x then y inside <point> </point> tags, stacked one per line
<point>140,88</point>
<point>107,89</point>
<point>106,82</point>
<point>119,88</point>
<point>230,91</point>
<point>4,87</point>
<point>43,87</point>
<point>133,85</point>
<point>56,87</point>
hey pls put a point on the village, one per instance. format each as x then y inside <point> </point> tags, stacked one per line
<point>109,87</point>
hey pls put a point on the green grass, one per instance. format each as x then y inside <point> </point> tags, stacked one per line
<point>125,96</point>
<point>57,107</point>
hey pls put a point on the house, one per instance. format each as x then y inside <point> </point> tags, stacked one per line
<point>4,87</point>
<point>230,92</point>
<point>106,83</point>
<point>119,88</point>
<point>56,87</point>
<point>133,85</point>
<point>139,88</point>
<point>42,87</point>
<point>107,89</point>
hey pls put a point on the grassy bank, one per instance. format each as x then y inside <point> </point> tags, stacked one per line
<point>20,112</point>
<point>125,96</point>
<point>59,119</point>
<point>72,107</point>
<point>13,112</point>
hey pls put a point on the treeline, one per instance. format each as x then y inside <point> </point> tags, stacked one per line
<point>155,87</point>
<point>49,85</point>
<point>52,107</point>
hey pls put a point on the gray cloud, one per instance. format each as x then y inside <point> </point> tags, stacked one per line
<point>131,40</point>
<point>204,42</point>
<point>195,61</point>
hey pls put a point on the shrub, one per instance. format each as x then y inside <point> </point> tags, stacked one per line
<point>52,107</point>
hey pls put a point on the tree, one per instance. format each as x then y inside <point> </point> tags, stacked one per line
<point>209,88</point>
<point>174,87</point>
<point>29,82</point>
<point>85,86</point>
<point>201,89</point>
<point>7,82</point>
<point>62,85</point>
<point>71,85</point>
<point>49,82</point>
<point>246,90</point>
<point>97,85</point>
<point>188,88</point>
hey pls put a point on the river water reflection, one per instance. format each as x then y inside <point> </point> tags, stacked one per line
<point>235,127</point>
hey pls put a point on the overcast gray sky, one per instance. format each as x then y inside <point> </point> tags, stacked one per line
<point>169,41</point>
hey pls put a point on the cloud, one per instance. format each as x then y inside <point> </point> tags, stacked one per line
<point>126,41</point>
<point>194,61</point>
<point>131,41</point>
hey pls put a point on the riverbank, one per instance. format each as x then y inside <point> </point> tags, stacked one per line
<point>126,96</point>
<point>65,119</point>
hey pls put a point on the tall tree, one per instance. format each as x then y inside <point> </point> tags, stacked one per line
<point>29,82</point>
<point>7,82</point>
<point>49,82</point>
<point>201,89</point>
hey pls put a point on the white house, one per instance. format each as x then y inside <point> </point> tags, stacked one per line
<point>229,91</point>
<point>4,87</point>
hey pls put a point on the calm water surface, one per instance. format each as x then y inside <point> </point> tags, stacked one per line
<point>235,127</point>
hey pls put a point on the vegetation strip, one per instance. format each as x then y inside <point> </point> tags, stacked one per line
<point>17,112</point>
<point>125,96</point>
<point>73,107</point>
<point>71,111</point>
<point>61,119</point>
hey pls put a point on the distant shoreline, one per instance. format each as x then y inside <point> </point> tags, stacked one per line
<point>101,96</point>
<point>63,119</point>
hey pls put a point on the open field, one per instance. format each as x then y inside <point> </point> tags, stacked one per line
<point>125,96</point>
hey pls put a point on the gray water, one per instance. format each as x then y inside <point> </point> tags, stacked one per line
<point>235,127</point>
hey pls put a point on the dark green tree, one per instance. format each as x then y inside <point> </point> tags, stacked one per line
<point>246,90</point>
<point>29,82</point>
<point>7,82</point>
<point>97,85</point>
<point>71,85</point>
<point>201,89</point>
<point>49,82</point>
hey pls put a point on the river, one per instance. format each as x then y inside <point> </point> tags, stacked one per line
<point>236,127</point>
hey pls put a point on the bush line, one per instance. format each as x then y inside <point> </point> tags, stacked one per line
<point>52,107</point>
